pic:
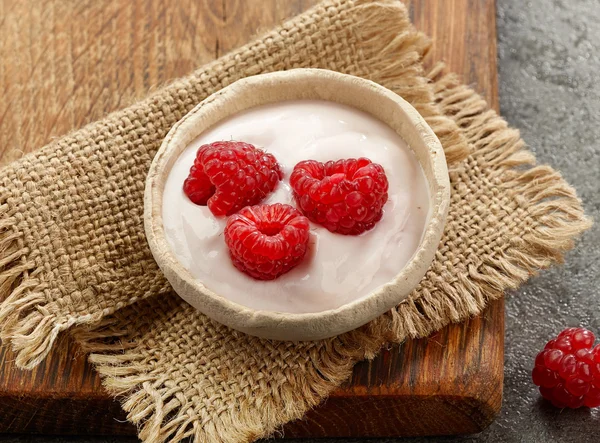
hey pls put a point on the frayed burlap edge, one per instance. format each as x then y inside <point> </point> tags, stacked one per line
<point>550,203</point>
<point>395,50</point>
<point>391,51</point>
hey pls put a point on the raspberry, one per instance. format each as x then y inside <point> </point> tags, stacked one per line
<point>229,175</point>
<point>345,196</point>
<point>568,370</point>
<point>266,241</point>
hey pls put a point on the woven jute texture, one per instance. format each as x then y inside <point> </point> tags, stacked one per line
<point>73,252</point>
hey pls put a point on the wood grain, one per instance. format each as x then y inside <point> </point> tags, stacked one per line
<point>67,63</point>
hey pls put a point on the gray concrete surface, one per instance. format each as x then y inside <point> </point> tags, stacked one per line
<point>549,58</point>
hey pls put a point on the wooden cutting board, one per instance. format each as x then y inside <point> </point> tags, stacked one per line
<point>68,63</point>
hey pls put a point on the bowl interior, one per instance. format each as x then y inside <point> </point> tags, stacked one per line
<point>300,84</point>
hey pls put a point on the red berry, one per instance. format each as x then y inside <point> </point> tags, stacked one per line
<point>561,396</point>
<point>596,370</point>
<point>568,370</point>
<point>564,344</point>
<point>228,175</point>
<point>582,339</point>
<point>266,241</point>
<point>584,371</point>
<point>585,355</point>
<point>596,353</point>
<point>591,402</point>
<point>345,196</point>
<point>577,402</point>
<point>539,359</point>
<point>553,358</point>
<point>568,366</point>
<point>577,386</point>
<point>544,377</point>
<point>547,393</point>
<point>567,333</point>
<point>592,399</point>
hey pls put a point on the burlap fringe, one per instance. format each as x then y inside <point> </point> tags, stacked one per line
<point>154,402</point>
<point>25,320</point>
<point>544,197</point>
<point>31,331</point>
<point>398,54</point>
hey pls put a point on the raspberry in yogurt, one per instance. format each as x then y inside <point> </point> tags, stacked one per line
<point>337,269</point>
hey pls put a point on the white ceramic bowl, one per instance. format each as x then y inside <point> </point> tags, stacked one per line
<point>299,84</point>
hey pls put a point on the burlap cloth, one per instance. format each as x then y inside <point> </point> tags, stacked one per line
<point>73,251</point>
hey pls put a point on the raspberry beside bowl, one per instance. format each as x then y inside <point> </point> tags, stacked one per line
<point>300,84</point>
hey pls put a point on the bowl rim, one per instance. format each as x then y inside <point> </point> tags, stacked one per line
<point>276,324</point>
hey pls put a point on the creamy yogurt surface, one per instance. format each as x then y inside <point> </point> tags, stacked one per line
<point>338,269</point>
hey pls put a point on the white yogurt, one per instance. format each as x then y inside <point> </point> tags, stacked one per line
<point>338,268</point>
